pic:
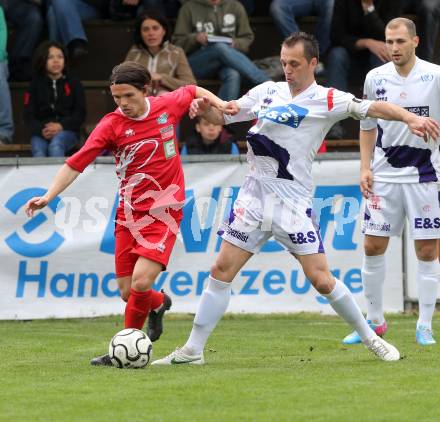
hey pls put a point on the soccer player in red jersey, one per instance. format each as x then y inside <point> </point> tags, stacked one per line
<point>141,135</point>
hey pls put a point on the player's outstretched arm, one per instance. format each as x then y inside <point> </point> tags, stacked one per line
<point>65,177</point>
<point>367,140</point>
<point>425,127</point>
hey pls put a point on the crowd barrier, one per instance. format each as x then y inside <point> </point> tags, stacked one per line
<point>60,263</point>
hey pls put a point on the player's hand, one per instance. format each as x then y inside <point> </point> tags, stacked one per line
<point>36,203</point>
<point>202,38</point>
<point>366,183</point>
<point>130,2</point>
<point>198,106</point>
<point>231,108</point>
<point>425,127</point>
<point>379,49</point>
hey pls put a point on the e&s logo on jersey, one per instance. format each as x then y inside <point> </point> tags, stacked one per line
<point>290,115</point>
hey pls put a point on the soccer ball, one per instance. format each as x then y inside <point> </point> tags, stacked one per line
<point>130,348</point>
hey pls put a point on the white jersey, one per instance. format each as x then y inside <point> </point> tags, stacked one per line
<point>400,156</point>
<point>283,142</point>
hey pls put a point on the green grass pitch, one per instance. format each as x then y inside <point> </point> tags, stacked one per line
<point>259,368</point>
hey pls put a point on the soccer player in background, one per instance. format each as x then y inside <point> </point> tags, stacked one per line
<point>400,173</point>
<point>141,135</point>
<point>293,118</point>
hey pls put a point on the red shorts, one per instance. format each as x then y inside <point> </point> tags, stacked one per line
<point>154,242</point>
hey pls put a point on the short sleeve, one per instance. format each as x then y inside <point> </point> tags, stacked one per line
<point>99,140</point>
<point>180,99</point>
<point>370,122</point>
<point>247,105</point>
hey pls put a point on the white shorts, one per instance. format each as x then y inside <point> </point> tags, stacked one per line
<point>258,214</point>
<point>385,211</point>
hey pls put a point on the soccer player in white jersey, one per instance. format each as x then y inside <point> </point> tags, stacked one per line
<point>399,176</point>
<point>292,120</point>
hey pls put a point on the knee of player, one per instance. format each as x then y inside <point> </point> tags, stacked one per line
<point>140,282</point>
<point>427,252</point>
<point>373,249</point>
<point>322,281</point>
<point>219,271</point>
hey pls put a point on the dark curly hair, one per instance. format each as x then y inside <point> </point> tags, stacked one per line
<point>42,54</point>
<point>156,16</point>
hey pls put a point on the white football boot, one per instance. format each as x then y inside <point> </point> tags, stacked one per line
<point>178,357</point>
<point>382,349</point>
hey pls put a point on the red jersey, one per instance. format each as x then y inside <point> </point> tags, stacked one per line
<point>146,152</point>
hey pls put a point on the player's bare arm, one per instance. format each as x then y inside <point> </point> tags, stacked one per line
<point>367,141</point>
<point>202,107</point>
<point>64,178</point>
<point>425,127</point>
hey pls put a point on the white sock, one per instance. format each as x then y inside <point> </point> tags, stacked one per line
<point>373,276</point>
<point>428,274</point>
<point>213,304</point>
<point>342,301</point>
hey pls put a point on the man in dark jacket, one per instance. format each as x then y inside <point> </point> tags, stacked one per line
<point>357,35</point>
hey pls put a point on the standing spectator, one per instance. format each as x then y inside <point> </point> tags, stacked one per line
<point>216,35</point>
<point>64,19</point>
<point>166,62</point>
<point>54,104</point>
<point>209,138</point>
<point>284,13</point>
<point>357,35</point>
<point>428,18</point>
<point>6,124</point>
<point>27,20</point>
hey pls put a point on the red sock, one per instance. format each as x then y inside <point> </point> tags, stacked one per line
<point>137,308</point>
<point>157,299</point>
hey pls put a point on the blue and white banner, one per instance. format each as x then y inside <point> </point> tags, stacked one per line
<point>60,263</point>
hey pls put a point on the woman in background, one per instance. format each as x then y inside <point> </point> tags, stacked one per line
<point>166,62</point>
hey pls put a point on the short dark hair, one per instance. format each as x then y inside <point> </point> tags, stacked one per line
<point>42,54</point>
<point>130,73</point>
<point>396,22</point>
<point>311,46</point>
<point>156,16</point>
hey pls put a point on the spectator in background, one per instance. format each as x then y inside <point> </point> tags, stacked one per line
<point>54,105</point>
<point>170,8</point>
<point>27,20</point>
<point>428,18</point>
<point>166,62</point>
<point>216,35</point>
<point>357,36</point>
<point>64,19</point>
<point>284,13</point>
<point>209,138</point>
<point>6,123</point>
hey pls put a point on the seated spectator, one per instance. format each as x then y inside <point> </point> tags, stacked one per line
<point>64,19</point>
<point>215,35</point>
<point>166,62</point>
<point>27,20</point>
<point>54,105</point>
<point>284,13</point>
<point>6,123</point>
<point>358,40</point>
<point>428,18</point>
<point>209,139</point>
